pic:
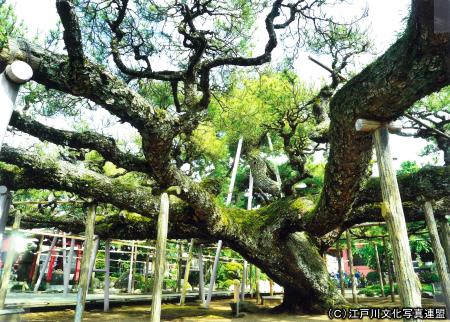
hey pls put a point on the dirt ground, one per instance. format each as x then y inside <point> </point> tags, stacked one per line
<point>219,312</point>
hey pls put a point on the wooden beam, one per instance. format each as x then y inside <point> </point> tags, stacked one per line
<point>213,274</point>
<point>380,275</point>
<point>10,256</point>
<point>350,262</point>
<point>15,74</point>
<point>161,243</point>
<point>85,261</point>
<point>92,262</point>
<point>392,210</point>
<point>107,280</point>
<point>439,254</point>
<point>363,125</point>
<point>186,273</point>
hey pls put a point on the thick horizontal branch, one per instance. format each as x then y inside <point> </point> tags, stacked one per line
<point>106,146</point>
<point>415,66</point>
<point>94,82</point>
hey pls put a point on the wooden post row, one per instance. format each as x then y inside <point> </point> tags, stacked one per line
<point>161,242</point>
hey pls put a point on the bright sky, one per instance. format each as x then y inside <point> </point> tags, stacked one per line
<point>386,19</point>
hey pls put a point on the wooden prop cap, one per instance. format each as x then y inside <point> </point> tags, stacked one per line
<point>363,125</point>
<point>3,190</point>
<point>19,72</point>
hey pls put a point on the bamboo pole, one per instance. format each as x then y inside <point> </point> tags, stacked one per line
<point>439,254</point>
<point>107,280</point>
<point>340,268</point>
<point>186,273</point>
<point>83,283</point>
<point>10,256</point>
<point>410,295</point>
<point>160,258</point>
<point>380,275</point>
<point>350,262</point>
<point>213,274</point>
<point>389,271</point>
<point>44,266</point>
<point>201,275</point>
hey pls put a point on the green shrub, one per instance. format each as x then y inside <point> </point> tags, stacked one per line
<point>428,277</point>
<point>372,277</point>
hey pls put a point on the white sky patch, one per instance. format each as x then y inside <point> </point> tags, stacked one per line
<point>385,21</point>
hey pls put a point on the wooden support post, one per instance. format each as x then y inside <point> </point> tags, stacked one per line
<point>146,271</point>
<point>250,192</point>
<point>15,74</point>
<point>380,275</point>
<point>201,275</point>
<point>76,276</point>
<point>186,273</point>
<point>87,254</point>
<point>69,266</point>
<point>257,293</point>
<point>5,203</point>
<point>107,265</point>
<point>250,279</point>
<point>160,258</point>
<point>277,172</point>
<point>439,254</point>
<point>340,268</point>
<point>236,288</point>
<point>37,260</point>
<point>179,266</point>
<point>410,295</point>
<point>213,274</point>
<point>234,171</point>
<point>92,262</point>
<point>44,266</point>
<point>10,256</point>
<point>389,271</point>
<point>350,262</point>
<point>64,259</point>
<point>270,287</point>
<point>130,273</point>
<point>444,235</point>
<point>244,281</point>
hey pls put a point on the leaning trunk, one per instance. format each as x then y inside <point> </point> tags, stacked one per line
<point>295,263</point>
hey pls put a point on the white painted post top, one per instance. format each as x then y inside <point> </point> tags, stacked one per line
<point>363,125</point>
<point>19,72</point>
<point>3,190</point>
